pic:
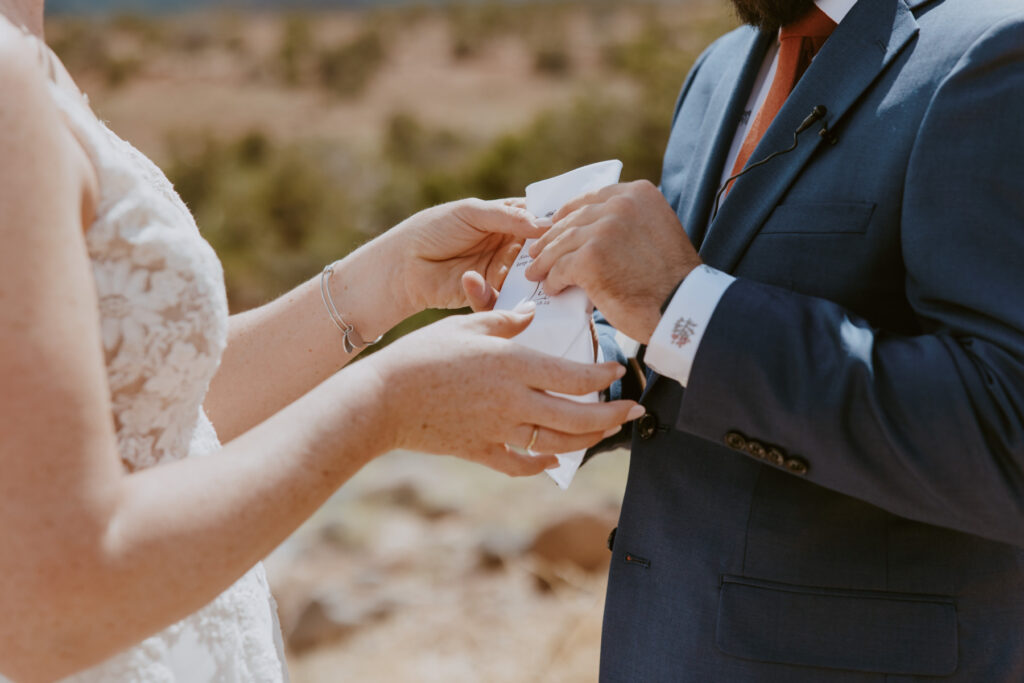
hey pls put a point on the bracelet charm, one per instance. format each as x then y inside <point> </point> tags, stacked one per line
<point>351,339</point>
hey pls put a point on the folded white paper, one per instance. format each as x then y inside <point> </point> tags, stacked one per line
<point>561,325</point>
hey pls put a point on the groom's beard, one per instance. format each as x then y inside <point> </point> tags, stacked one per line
<point>771,15</point>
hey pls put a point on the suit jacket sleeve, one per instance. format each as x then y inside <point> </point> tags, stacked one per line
<point>929,427</point>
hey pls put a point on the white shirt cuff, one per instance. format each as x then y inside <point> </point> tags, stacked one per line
<point>675,341</point>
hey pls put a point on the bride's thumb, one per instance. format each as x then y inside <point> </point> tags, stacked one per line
<point>507,323</point>
<point>480,295</point>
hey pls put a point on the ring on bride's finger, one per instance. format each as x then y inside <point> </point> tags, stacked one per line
<point>533,439</point>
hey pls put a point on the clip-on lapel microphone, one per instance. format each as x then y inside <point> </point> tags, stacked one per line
<point>819,112</point>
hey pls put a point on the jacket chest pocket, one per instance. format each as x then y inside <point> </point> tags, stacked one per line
<point>867,631</point>
<point>834,218</point>
<point>826,250</point>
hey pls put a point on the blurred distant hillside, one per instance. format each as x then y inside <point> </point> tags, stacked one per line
<point>295,136</point>
<point>172,6</point>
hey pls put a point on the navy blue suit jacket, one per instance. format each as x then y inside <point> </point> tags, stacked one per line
<point>838,494</point>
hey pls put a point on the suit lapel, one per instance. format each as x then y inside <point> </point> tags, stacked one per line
<point>717,131</point>
<point>859,50</point>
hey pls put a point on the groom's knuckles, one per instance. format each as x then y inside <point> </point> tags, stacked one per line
<point>549,236</point>
<point>570,239</point>
<point>565,231</point>
<point>595,197</point>
<point>562,274</point>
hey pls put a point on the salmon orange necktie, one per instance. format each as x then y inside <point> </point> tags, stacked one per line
<point>798,43</point>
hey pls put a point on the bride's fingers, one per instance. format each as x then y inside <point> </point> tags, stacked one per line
<point>481,296</point>
<point>570,377</point>
<point>499,266</point>
<point>551,441</point>
<point>563,415</point>
<point>503,459</point>
<point>497,216</point>
<point>505,324</point>
<point>519,202</point>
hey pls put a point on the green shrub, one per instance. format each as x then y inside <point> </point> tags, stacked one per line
<point>471,25</point>
<point>274,213</point>
<point>347,69</point>
<point>552,59</point>
<point>294,49</point>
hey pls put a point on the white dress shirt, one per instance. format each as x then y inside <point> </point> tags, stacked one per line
<point>674,344</point>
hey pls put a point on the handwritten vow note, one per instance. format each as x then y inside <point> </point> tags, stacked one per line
<point>561,325</point>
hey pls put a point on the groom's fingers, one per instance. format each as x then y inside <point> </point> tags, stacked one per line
<point>564,273</point>
<point>564,246</point>
<point>596,197</point>
<point>574,222</point>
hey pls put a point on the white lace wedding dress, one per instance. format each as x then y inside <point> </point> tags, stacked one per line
<point>163,313</point>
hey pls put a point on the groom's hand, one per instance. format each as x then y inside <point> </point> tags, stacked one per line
<point>625,246</point>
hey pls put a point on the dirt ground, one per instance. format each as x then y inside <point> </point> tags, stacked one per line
<point>433,569</point>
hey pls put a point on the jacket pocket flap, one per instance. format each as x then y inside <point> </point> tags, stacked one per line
<point>828,219</point>
<point>892,633</point>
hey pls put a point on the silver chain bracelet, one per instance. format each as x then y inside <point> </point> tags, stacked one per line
<point>351,339</point>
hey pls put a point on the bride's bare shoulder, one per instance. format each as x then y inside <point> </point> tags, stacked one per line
<point>34,138</point>
<point>24,80</point>
<point>23,59</point>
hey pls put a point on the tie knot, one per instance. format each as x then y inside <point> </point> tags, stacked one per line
<point>813,24</point>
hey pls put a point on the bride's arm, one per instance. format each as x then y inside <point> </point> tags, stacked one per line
<point>279,351</point>
<point>93,559</point>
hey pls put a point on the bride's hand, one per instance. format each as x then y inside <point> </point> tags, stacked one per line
<point>437,246</point>
<point>460,387</point>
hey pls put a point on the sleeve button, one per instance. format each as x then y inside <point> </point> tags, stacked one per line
<point>647,426</point>
<point>797,466</point>
<point>736,441</point>
<point>757,449</point>
<point>776,457</point>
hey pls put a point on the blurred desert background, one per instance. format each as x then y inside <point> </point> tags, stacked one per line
<point>295,135</point>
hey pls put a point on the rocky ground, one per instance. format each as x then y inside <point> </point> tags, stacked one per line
<point>432,569</point>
